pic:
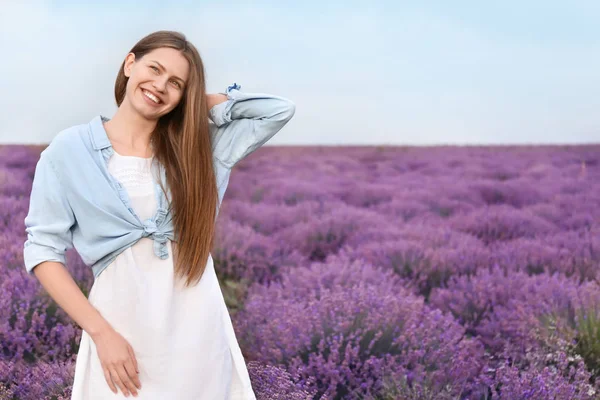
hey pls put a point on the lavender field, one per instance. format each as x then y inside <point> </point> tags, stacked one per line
<point>372,273</point>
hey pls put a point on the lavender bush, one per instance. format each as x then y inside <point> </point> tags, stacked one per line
<point>345,322</point>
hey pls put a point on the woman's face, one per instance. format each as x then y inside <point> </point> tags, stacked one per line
<point>156,81</point>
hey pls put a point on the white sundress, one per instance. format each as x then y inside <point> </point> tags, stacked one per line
<point>183,338</point>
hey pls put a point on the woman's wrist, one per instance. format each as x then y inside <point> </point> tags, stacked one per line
<point>100,327</point>
<point>215,98</point>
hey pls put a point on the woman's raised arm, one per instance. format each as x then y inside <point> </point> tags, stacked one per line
<point>246,121</point>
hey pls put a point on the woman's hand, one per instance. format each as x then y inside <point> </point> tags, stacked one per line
<point>118,361</point>
<point>214,99</point>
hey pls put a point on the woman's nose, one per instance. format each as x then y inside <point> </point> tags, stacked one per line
<point>159,85</point>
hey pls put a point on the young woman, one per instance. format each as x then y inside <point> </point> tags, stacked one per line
<point>137,196</point>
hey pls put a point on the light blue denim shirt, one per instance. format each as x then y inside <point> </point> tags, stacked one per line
<point>76,202</point>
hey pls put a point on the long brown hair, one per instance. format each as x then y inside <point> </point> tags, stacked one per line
<point>182,145</point>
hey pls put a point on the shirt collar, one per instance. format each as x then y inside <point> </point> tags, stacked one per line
<point>98,133</point>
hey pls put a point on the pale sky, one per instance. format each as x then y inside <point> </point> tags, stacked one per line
<point>371,72</point>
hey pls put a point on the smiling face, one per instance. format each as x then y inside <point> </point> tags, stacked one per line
<point>157,81</point>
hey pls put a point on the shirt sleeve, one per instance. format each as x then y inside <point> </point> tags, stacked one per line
<point>246,121</point>
<point>49,219</point>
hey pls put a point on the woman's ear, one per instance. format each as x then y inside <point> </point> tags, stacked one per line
<point>129,60</point>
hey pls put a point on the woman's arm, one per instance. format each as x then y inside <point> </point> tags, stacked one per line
<point>245,121</point>
<point>63,289</point>
<point>48,226</point>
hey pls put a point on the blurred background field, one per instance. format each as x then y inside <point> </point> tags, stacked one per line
<point>375,272</point>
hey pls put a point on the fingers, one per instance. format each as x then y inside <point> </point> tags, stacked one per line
<point>132,368</point>
<point>132,354</point>
<point>134,378</point>
<point>118,381</point>
<point>111,385</point>
<point>125,378</point>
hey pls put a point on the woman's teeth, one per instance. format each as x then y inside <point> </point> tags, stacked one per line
<point>151,97</point>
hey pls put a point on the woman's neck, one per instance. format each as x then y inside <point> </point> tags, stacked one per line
<point>130,133</point>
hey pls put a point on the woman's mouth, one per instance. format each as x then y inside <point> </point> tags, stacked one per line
<point>150,98</point>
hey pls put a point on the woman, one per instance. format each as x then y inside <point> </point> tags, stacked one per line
<point>137,196</point>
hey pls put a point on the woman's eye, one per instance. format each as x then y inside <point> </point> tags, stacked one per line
<point>156,69</point>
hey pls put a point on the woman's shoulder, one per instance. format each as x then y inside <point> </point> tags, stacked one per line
<point>66,142</point>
